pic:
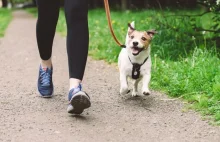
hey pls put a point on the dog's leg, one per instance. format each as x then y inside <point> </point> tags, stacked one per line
<point>135,88</point>
<point>124,84</point>
<point>146,80</point>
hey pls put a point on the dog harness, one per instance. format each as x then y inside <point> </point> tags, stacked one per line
<point>136,69</point>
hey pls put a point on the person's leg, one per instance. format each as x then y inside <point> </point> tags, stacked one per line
<point>76,12</point>
<point>77,39</point>
<point>48,13</point>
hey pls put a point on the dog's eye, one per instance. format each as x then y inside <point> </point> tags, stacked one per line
<point>132,37</point>
<point>143,38</point>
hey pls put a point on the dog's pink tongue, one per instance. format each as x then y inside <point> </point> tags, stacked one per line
<point>134,51</point>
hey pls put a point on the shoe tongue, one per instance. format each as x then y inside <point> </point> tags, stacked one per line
<point>76,90</point>
<point>45,69</point>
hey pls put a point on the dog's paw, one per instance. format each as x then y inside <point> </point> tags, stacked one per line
<point>124,91</point>
<point>134,94</point>
<point>146,93</point>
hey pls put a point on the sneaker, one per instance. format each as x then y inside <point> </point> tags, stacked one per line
<point>45,82</point>
<point>78,100</point>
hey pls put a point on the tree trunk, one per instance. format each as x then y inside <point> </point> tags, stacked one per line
<point>123,4</point>
<point>146,4</point>
<point>11,2</point>
<point>4,3</point>
<point>34,2</point>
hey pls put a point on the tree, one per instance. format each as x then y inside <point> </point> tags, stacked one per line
<point>34,2</point>
<point>4,3</point>
<point>123,4</point>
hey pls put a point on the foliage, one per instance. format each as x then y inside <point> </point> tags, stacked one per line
<point>195,78</point>
<point>213,13</point>
<point>21,1</point>
<point>6,16</point>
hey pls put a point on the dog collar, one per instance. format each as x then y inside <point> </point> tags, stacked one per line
<point>136,69</point>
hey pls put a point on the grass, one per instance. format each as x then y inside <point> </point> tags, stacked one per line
<point>5,19</point>
<point>185,62</point>
<point>32,11</point>
<point>195,79</point>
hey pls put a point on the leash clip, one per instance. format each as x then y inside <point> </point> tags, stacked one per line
<point>123,46</point>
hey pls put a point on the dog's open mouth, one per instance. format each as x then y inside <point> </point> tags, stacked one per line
<point>136,50</point>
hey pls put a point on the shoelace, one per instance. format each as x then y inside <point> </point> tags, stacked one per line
<point>45,78</point>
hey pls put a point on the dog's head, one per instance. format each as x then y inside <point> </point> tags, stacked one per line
<point>138,41</point>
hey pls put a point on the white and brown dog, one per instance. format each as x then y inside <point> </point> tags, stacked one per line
<point>134,61</point>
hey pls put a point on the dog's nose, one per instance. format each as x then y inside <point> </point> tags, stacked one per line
<point>135,43</point>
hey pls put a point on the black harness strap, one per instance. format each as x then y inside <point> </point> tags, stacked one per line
<point>136,69</point>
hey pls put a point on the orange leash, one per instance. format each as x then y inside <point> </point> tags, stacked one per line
<point>107,10</point>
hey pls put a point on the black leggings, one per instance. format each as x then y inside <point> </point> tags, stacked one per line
<point>76,12</point>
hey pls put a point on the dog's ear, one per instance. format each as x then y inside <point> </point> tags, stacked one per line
<point>151,32</point>
<point>130,30</point>
<point>131,27</point>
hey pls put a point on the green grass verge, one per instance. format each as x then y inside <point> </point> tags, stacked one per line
<point>5,19</point>
<point>195,79</point>
<point>32,11</point>
<point>183,66</point>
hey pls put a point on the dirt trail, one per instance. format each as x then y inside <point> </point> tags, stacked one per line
<point>26,117</point>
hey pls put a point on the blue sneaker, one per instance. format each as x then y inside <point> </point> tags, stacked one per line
<point>79,100</point>
<point>45,82</point>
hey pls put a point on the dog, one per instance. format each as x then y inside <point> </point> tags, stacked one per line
<point>134,60</point>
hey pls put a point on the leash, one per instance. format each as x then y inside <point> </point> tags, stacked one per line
<point>107,10</point>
